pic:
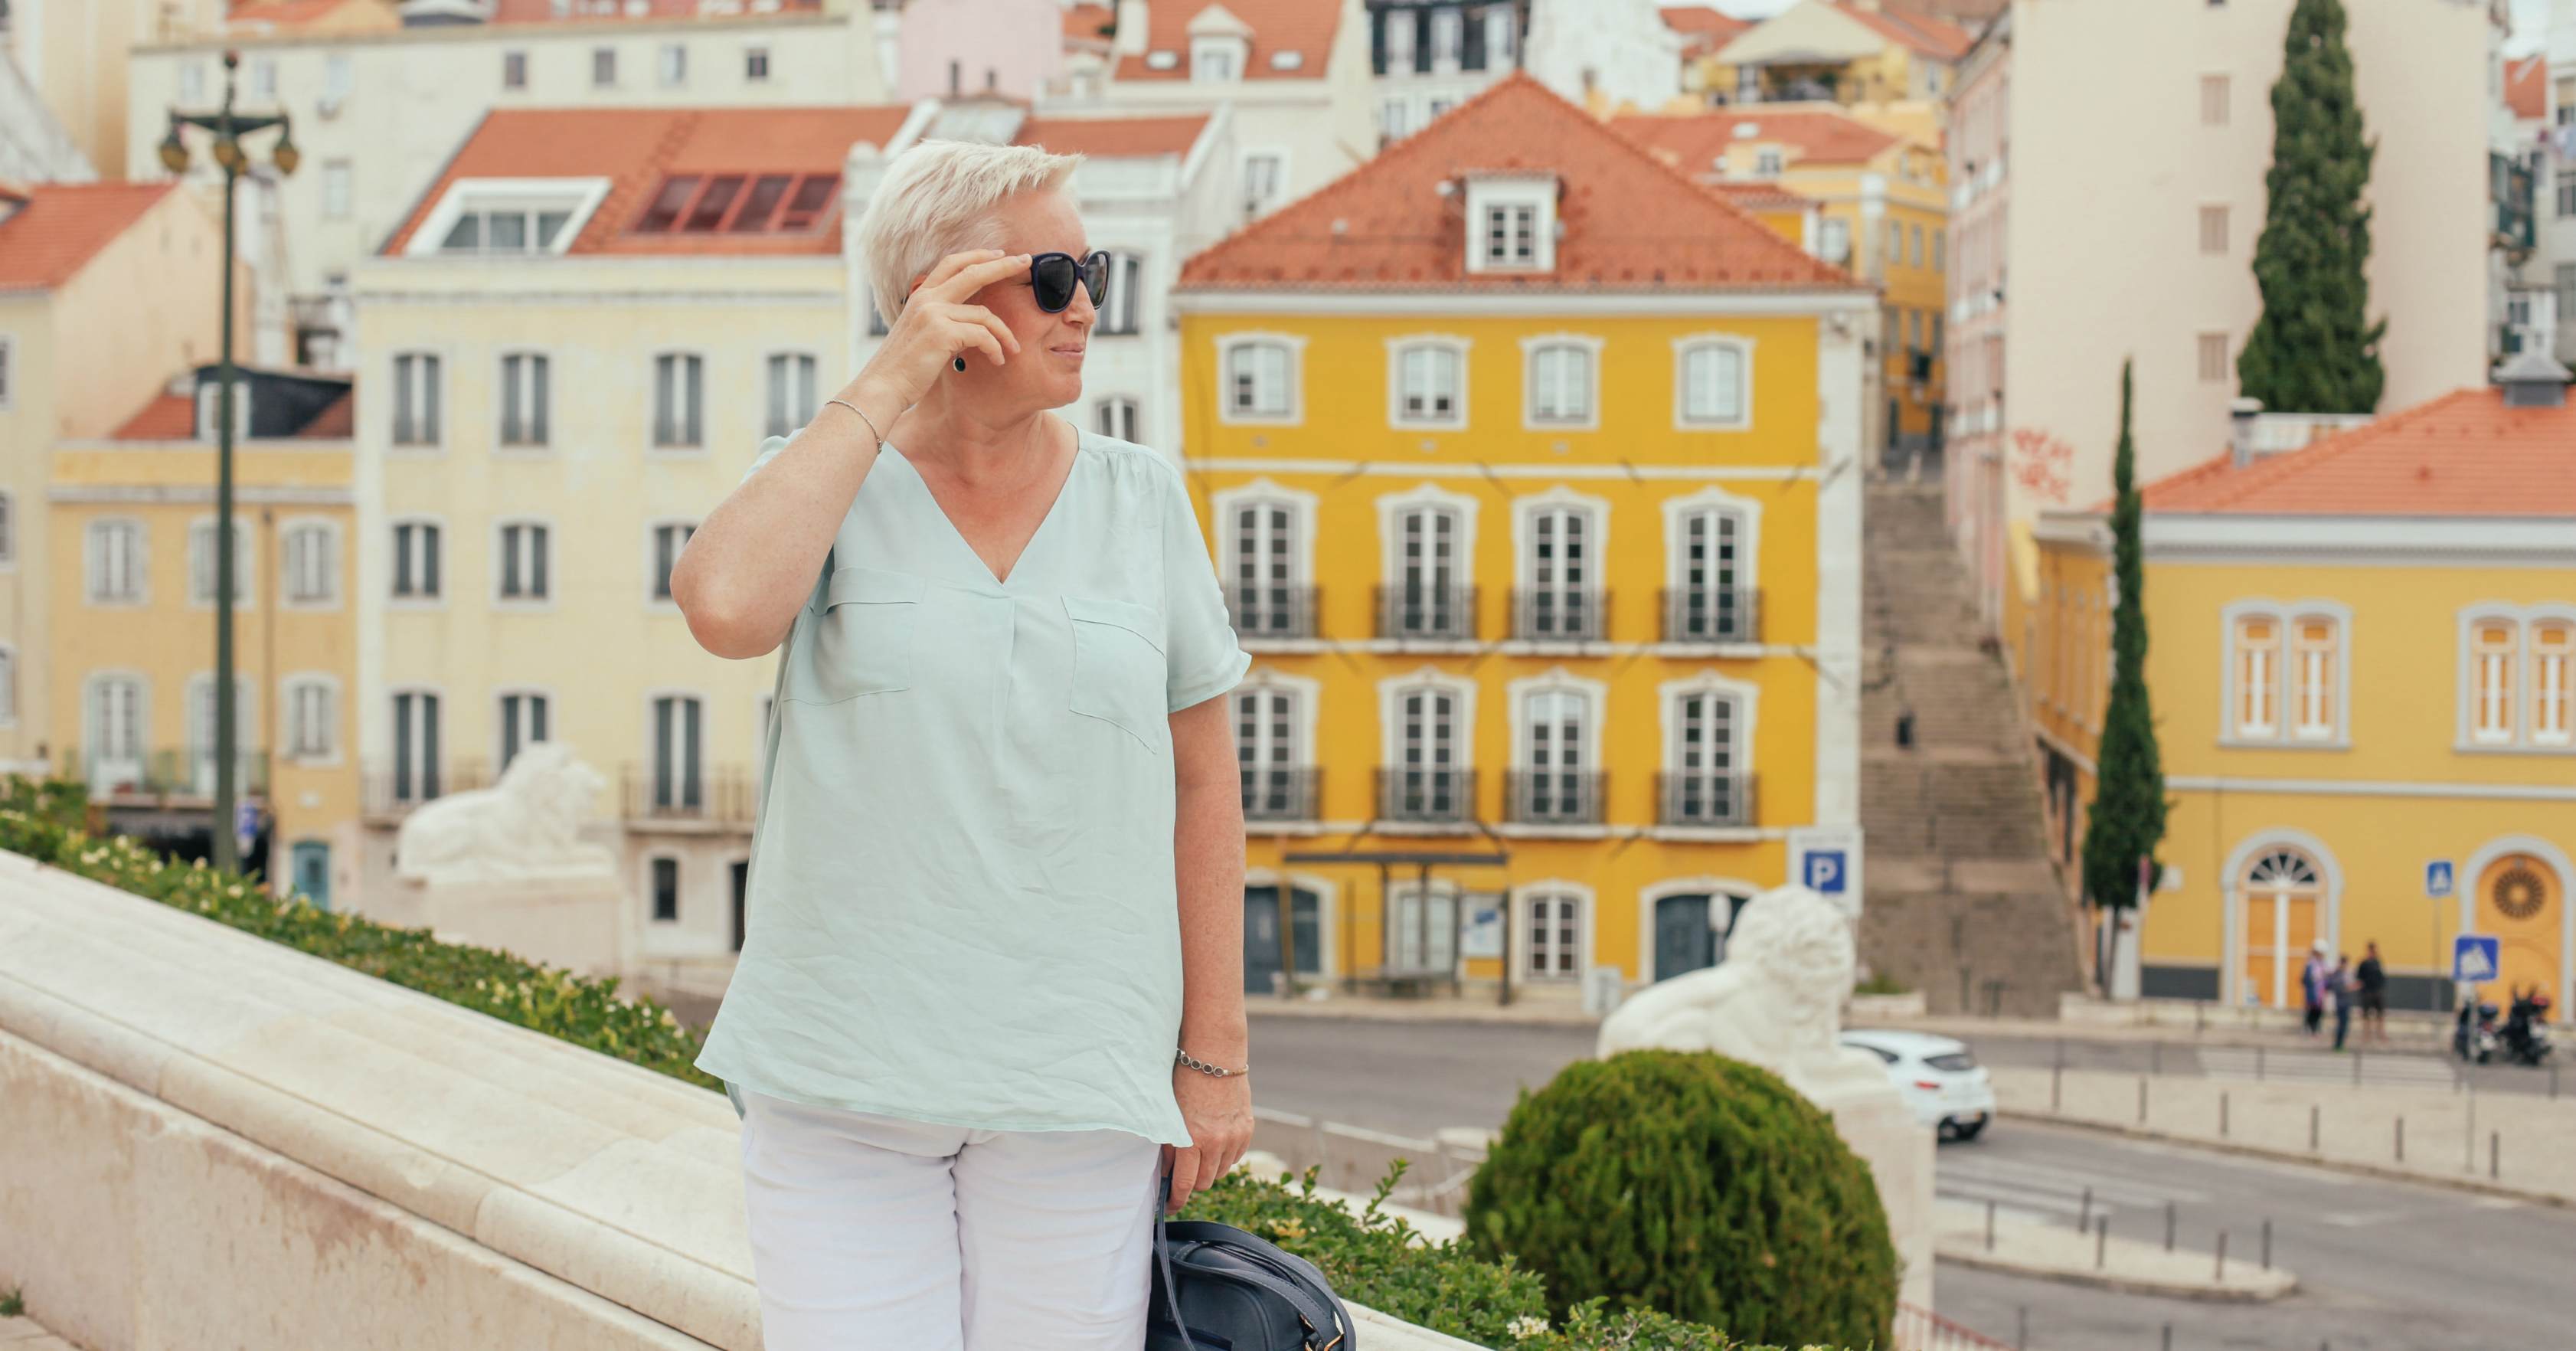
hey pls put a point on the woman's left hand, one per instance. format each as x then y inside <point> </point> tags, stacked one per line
<point>1218,1113</point>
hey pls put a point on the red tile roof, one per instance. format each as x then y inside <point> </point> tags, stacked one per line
<point>338,421</point>
<point>1083,23</point>
<point>637,148</point>
<point>1811,135</point>
<point>1630,222</point>
<point>1913,29</point>
<point>1305,27</point>
<point>283,12</point>
<point>1114,137</point>
<point>2464,454</point>
<point>168,417</point>
<point>63,225</point>
<point>2526,87</point>
<point>1759,196</point>
<point>1703,30</point>
<point>609,11</point>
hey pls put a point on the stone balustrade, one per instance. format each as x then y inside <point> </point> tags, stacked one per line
<point>211,1140</point>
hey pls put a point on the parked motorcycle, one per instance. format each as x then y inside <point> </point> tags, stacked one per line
<point>2473,1034</point>
<point>2526,1033</point>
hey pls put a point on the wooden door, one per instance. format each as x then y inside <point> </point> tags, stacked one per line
<point>2518,901</point>
<point>2280,925</point>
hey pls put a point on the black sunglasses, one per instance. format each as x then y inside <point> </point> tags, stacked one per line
<point>1052,276</point>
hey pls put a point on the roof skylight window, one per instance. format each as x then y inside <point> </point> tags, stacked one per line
<point>737,204</point>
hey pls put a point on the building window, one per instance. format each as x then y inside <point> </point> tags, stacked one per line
<point>1260,380</point>
<point>1216,60</point>
<point>678,778</point>
<point>116,725</point>
<point>509,227</point>
<point>737,204</point>
<point>1560,384</point>
<point>339,81</point>
<point>2517,677</point>
<point>791,392</point>
<point>416,560</point>
<point>1428,782</point>
<point>312,719</point>
<point>668,542</point>
<point>1126,299</point>
<point>2213,100</point>
<point>8,527</point>
<point>1402,27</point>
<point>1559,596</point>
<point>2213,229</point>
<point>666,890</point>
<point>8,685</point>
<point>1262,174</point>
<point>1556,782</point>
<point>603,67</point>
<point>1914,246</point>
<point>1265,589</point>
<point>416,399</point>
<point>1428,599</point>
<point>674,65</point>
<point>116,562</point>
<point>2491,663</point>
<point>2565,180</point>
<point>1502,33</point>
<point>1711,600</point>
<point>523,562</point>
<point>2258,678</point>
<point>1555,942</point>
<point>415,777</point>
<point>335,189</point>
<point>8,370</point>
<point>2315,679</point>
<point>1448,38</point>
<point>1712,383</point>
<point>1511,235</point>
<point>755,65</point>
<point>1704,783</point>
<point>192,82</point>
<point>679,392</point>
<point>202,556</point>
<point>1767,163</point>
<point>2213,358</point>
<point>1429,380</point>
<point>1275,777</point>
<point>210,402</point>
<point>1833,240</point>
<point>514,70</point>
<point>2281,894</point>
<point>523,724</point>
<point>1391,119</point>
<point>312,551</point>
<point>2553,664</point>
<point>1116,419</point>
<point>523,399</point>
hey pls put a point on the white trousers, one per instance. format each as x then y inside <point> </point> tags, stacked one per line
<point>872,1233</point>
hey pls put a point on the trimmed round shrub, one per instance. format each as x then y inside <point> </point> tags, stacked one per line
<point>1695,1185</point>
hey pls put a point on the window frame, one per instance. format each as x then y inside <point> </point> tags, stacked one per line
<point>1523,743</point>
<point>245,564</point>
<point>1305,695</point>
<point>1391,510</point>
<point>546,567</point>
<point>757,58</point>
<point>93,561</point>
<point>650,775</point>
<point>657,597</point>
<point>1278,157</point>
<point>579,198</point>
<point>8,530</point>
<point>1125,315</point>
<point>1595,588</point>
<point>1525,944</point>
<point>1107,407</point>
<point>1462,691</point>
<point>1533,348</point>
<point>653,444</point>
<point>1683,346</point>
<point>333,552</point>
<point>2284,679</point>
<point>1398,351</point>
<point>8,684</point>
<point>1742,742</point>
<point>1293,378</point>
<point>93,685</point>
<point>8,372</point>
<point>541,402</point>
<point>2523,734</point>
<point>440,566</point>
<point>423,387</point>
<point>1301,506</point>
<point>289,721</point>
<point>769,378</point>
<point>501,694</point>
<point>1487,193</point>
<point>1747,512</point>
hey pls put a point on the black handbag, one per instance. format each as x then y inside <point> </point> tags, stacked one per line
<point>1218,1288</point>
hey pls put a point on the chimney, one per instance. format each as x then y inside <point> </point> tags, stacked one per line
<point>2532,380</point>
<point>2241,413</point>
<point>1133,29</point>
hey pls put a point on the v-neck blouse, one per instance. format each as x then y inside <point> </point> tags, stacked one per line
<point>962,905</point>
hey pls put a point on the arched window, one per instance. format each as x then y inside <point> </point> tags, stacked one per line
<point>1428,781</point>
<point>1560,595</point>
<point>2258,678</point>
<point>1712,384</point>
<point>1711,598</point>
<point>1705,783</point>
<point>1428,597</point>
<point>2491,667</point>
<point>1429,385</point>
<point>2281,893</point>
<point>1560,384</point>
<point>1265,585</point>
<point>2316,678</point>
<point>1555,781</point>
<point>1554,942</point>
<point>1278,783</point>
<point>2553,663</point>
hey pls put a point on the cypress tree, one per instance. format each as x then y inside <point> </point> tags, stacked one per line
<point>2315,349</point>
<point>2128,816</point>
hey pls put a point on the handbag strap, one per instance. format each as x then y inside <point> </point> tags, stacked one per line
<point>1163,1255</point>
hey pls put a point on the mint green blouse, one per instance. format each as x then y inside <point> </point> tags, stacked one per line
<point>962,907</point>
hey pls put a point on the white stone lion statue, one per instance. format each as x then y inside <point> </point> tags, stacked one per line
<point>1776,1001</point>
<point>525,828</point>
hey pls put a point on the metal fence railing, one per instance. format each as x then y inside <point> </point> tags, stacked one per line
<point>1561,614</point>
<point>1708,799</point>
<point>1426,613</point>
<point>1261,611</point>
<point>723,794</point>
<point>1426,796</point>
<point>167,773</point>
<point>1553,798</point>
<point>1712,614</point>
<point>394,790</point>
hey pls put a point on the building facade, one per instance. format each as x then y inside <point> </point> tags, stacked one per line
<point>1546,544</point>
<point>2361,670</point>
<point>1889,57</point>
<point>1428,57</point>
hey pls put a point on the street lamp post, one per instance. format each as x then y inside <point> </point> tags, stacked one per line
<point>227,128</point>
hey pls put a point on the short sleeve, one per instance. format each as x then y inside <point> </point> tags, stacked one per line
<point>1200,649</point>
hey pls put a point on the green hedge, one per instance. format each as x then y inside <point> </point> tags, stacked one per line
<point>1371,1258</point>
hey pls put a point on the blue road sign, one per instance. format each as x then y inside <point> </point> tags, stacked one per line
<point>1825,871</point>
<point>2474,958</point>
<point>2437,878</point>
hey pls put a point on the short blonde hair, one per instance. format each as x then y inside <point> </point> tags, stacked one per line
<point>937,198</point>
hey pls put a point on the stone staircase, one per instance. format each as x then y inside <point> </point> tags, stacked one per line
<point>1963,901</point>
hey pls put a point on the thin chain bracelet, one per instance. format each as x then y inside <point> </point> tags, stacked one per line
<point>1183,1057</point>
<point>863,417</point>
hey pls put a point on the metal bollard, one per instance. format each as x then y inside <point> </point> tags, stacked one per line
<point>2102,1243</point>
<point>2495,1151</point>
<point>2168,1346</point>
<point>2312,1128</point>
<point>2021,1329</point>
<point>2221,1275</point>
<point>2055,1073</point>
<point>1990,1226</point>
<point>2142,1099</point>
<point>2356,1067</point>
<point>2156,1057</point>
<point>2084,1216</point>
<point>2267,1243</point>
<point>2169,1226</point>
<point>2401,1139</point>
<point>2222,1115</point>
<point>2258,1064</point>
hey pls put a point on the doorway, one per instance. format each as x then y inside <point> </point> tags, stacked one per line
<point>2519,899</point>
<point>312,872</point>
<point>1263,928</point>
<point>2281,894</point>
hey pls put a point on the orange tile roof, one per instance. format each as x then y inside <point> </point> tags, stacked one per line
<point>1302,26</point>
<point>63,225</point>
<point>1761,196</point>
<point>283,12</point>
<point>610,11</point>
<point>338,420</point>
<point>1114,137</point>
<point>2526,87</point>
<point>2463,454</point>
<point>1913,29</point>
<point>168,417</point>
<point>1703,30</point>
<point>1812,135</point>
<point>1083,23</point>
<point>637,147</point>
<point>1630,222</point>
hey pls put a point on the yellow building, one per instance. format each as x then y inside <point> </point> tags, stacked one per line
<point>1544,534</point>
<point>131,561</point>
<point>1882,210</point>
<point>2361,658</point>
<point>1885,58</point>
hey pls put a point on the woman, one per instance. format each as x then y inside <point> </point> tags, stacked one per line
<point>991,987</point>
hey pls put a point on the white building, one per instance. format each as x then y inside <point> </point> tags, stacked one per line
<point>1604,55</point>
<point>1429,56</point>
<point>2136,191</point>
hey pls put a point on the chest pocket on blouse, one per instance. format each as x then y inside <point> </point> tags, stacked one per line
<point>1118,669</point>
<point>863,642</point>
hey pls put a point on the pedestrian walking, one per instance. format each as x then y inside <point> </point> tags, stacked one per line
<point>2312,986</point>
<point>991,986</point>
<point>2345,990</point>
<point>2374,995</point>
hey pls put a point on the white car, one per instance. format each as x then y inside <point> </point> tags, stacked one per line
<point>1939,1077</point>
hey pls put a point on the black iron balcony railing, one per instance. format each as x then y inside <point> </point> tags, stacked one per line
<point>1426,796</point>
<point>1561,614</point>
<point>1281,792</point>
<point>1713,614</point>
<point>1427,613</point>
<point>187,773</point>
<point>391,789</point>
<point>1534,797</point>
<point>724,793</point>
<point>1705,798</point>
<point>1261,611</point>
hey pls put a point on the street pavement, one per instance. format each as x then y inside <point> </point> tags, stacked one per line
<point>2383,1265</point>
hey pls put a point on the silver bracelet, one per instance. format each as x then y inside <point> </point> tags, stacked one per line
<point>863,417</point>
<point>1183,1057</point>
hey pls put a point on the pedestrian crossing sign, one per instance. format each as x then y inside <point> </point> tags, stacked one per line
<point>2437,878</point>
<point>2474,958</point>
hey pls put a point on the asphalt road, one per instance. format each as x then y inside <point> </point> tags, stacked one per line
<point>2383,1266</point>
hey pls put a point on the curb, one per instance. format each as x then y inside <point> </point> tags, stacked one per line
<point>2127,1285</point>
<point>2380,1172</point>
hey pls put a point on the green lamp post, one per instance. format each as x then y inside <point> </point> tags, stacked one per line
<point>227,127</point>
